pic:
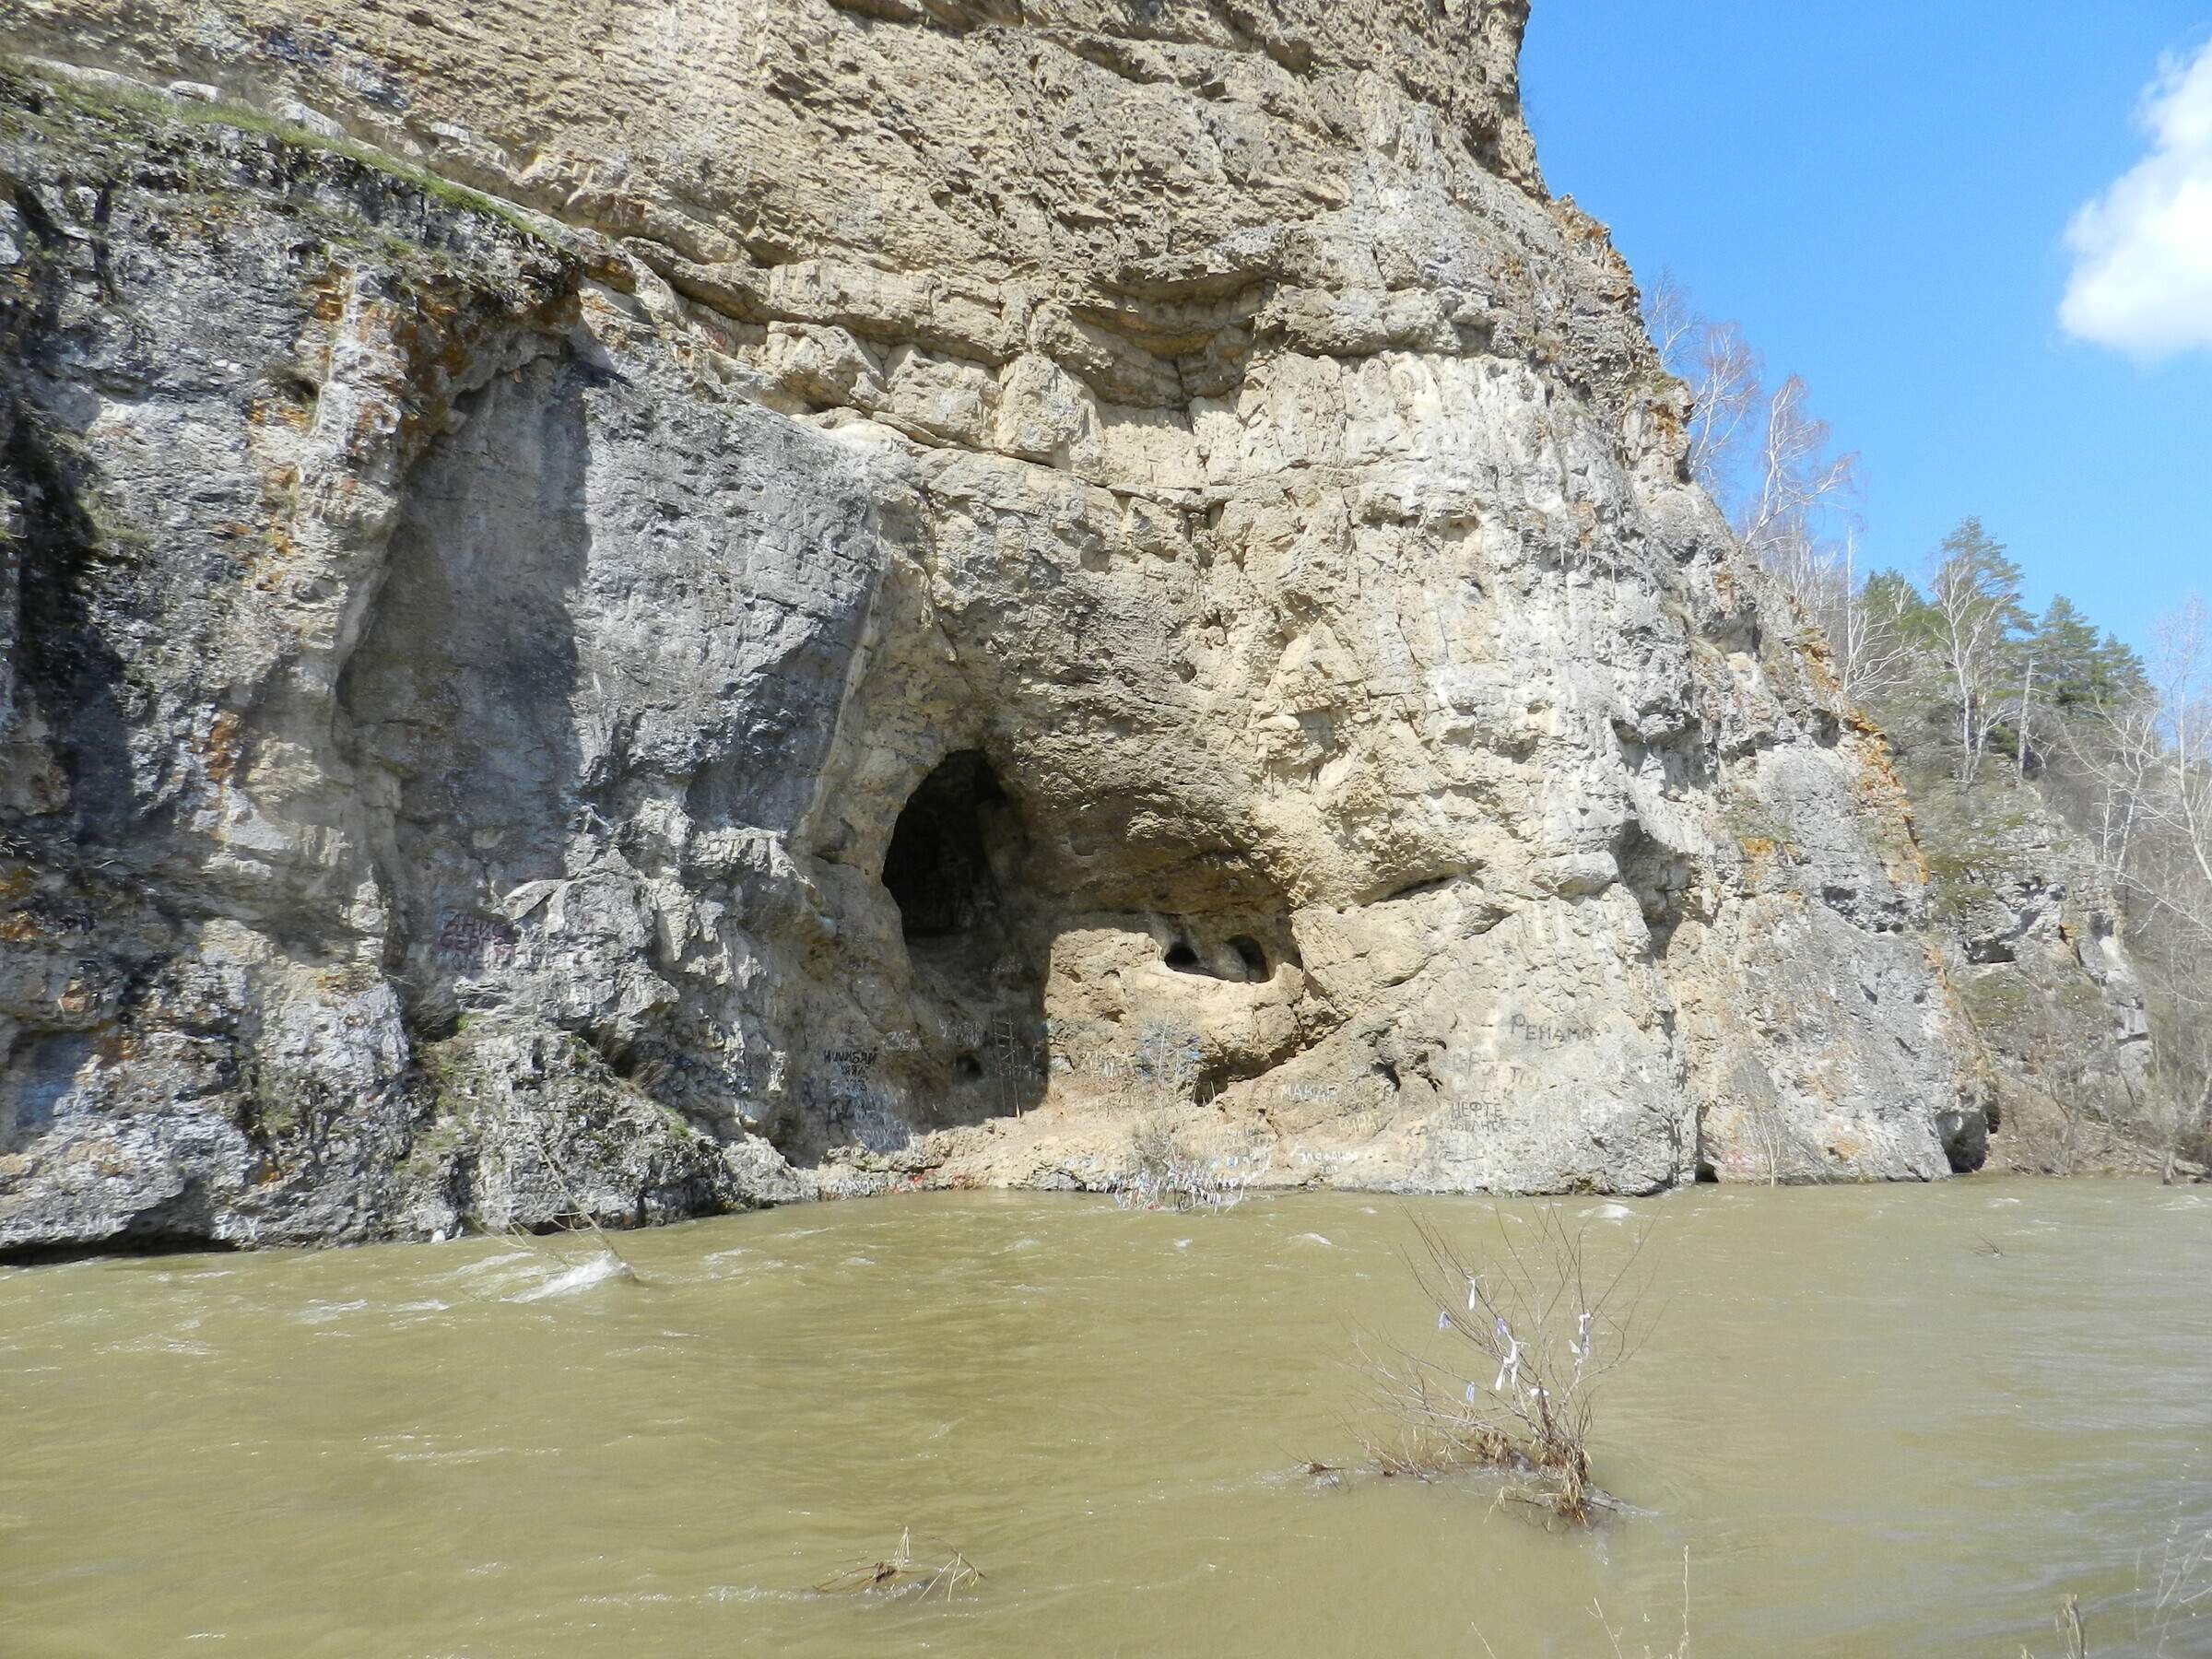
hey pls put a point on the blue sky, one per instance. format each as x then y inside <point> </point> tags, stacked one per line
<point>1880,194</point>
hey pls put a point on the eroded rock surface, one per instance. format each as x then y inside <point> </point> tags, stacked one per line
<point>923,582</point>
<point>2038,956</point>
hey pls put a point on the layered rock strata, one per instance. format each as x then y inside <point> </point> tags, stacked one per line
<point>626,609</point>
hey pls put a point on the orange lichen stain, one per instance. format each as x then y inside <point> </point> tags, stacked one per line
<point>1760,852</point>
<point>16,883</point>
<point>1882,790</point>
<point>279,487</point>
<point>19,929</point>
<point>349,978</point>
<point>222,748</point>
<point>1820,669</point>
<point>281,411</point>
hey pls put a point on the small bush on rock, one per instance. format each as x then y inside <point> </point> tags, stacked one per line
<point>1162,1172</point>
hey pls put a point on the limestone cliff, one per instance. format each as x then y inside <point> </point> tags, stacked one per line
<point>2035,944</point>
<point>912,581</point>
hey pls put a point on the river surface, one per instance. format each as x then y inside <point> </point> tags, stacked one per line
<point>1880,1421</point>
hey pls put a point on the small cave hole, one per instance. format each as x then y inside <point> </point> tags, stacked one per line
<point>1211,1083</point>
<point>1249,953</point>
<point>1183,958</point>
<point>968,1069</point>
<point>937,868</point>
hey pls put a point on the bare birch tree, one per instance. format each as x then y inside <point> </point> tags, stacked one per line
<point>1722,374</point>
<point>1796,486</point>
<point>2149,760</point>
<point>2117,747</point>
<point>1670,316</point>
<point>2146,761</point>
<point>2184,682</point>
<point>1974,592</point>
<point>1875,655</point>
<point>1763,455</point>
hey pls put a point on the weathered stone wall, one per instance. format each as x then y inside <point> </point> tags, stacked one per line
<point>2037,953</point>
<point>921,580</point>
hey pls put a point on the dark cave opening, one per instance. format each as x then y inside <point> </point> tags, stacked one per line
<point>938,868</point>
<point>1244,959</point>
<point>958,868</point>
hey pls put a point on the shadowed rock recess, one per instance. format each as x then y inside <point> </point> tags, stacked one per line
<point>637,609</point>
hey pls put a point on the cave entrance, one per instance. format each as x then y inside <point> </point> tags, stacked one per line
<point>958,868</point>
<point>938,868</point>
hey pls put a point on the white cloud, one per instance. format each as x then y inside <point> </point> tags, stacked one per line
<point>2143,250</point>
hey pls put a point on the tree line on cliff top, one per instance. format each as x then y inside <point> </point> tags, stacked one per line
<point>1981,696</point>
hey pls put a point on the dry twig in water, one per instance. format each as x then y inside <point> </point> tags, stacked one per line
<point>902,1575</point>
<point>1680,1650</point>
<point>576,1203</point>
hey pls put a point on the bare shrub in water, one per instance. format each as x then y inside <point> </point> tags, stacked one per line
<point>1164,1173</point>
<point>1532,1335</point>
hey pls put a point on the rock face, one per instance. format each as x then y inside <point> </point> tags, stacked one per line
<point>2038,962</point>
<point>915,582</point>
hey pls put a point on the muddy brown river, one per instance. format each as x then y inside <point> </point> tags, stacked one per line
<point>1879,1421</point>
